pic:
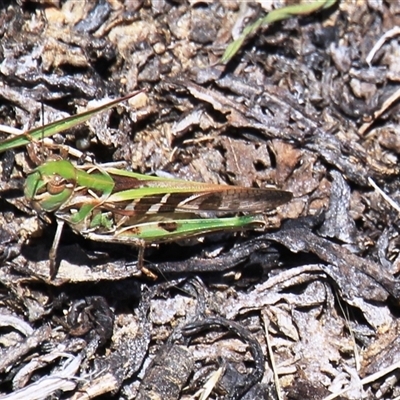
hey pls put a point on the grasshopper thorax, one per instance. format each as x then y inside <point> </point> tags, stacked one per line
<point>51,185</point>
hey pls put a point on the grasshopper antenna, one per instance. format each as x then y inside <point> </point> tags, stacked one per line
<point>42,137</point>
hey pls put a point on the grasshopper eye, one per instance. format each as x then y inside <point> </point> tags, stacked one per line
<point>56,184</point>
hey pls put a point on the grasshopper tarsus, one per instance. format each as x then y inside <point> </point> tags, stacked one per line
<point>53,269</point>
<point>149,273</point>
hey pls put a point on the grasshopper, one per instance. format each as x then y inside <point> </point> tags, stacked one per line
<point>116,206</point>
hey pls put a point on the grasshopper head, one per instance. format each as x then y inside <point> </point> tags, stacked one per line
<point>50,186</point>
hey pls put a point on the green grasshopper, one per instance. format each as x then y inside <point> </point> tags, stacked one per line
<point>116,206</point>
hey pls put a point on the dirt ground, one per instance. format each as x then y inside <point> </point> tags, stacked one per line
<point>305,310</point>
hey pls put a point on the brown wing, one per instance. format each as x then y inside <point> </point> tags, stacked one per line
<point>224,199</point>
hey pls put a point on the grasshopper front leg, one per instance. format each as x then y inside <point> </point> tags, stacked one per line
<point>54,248</point>
<point>141,267</point>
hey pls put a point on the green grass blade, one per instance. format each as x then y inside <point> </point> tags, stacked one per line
<point>58,126</point>
<point>274,16</point>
